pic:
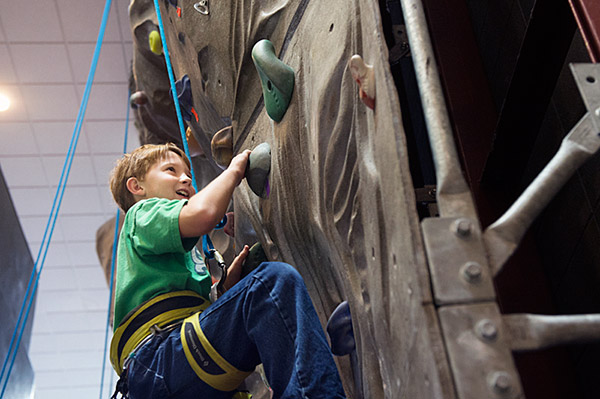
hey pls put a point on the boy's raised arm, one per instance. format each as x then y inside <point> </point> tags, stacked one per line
<point>205,209</point>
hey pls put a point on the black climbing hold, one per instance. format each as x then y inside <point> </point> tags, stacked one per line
<point>258,169</point>
<point>340,331</point>
<point>255,257</point>
<point>277,79</point>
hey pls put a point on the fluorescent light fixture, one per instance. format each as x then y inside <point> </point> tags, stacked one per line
<point>4,102</point>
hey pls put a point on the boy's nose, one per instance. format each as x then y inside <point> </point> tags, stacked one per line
<point>184,178</point>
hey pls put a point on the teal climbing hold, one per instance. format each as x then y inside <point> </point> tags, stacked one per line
<point>277,79</point>
<point>258,169</point>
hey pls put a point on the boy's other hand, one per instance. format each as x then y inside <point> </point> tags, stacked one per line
<point>238,164</point>
<point>229,228</point>
<point>235,270</point>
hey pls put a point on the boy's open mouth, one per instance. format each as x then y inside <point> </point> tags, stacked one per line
<point>183,193</point>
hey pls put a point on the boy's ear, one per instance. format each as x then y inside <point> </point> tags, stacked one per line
<point>134,187</point>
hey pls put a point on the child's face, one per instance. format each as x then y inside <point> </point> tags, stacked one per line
<point>168,178</point>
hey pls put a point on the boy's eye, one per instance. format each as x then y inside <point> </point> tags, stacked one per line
<point>171,169</point>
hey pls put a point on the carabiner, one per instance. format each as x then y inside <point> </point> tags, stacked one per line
<point>202,7</point>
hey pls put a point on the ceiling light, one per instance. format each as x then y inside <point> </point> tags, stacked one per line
<point>4,102</point>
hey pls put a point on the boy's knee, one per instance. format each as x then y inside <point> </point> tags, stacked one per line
<point>278,270</point>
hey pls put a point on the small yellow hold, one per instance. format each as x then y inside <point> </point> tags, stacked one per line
<point>155,42</point>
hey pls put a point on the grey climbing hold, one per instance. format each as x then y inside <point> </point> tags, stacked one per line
<point>258,168</point>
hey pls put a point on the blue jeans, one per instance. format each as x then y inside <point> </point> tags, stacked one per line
<point>266,318</point>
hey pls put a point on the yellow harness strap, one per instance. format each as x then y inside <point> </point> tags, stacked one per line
<point>206,362</point>
<point>160,311</point>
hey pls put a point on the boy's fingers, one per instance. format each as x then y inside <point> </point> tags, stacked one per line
<point>234,271</point>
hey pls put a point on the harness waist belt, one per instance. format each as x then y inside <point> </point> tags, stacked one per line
<point>159,311</point>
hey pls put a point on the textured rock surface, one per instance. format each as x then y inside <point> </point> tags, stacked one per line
<point>342,206</point>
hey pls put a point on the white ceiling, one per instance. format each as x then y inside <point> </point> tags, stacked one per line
<point>45,52</point>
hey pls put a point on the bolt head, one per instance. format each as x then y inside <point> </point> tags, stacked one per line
<point>463,227</point>
<point>501,382</point>
<point>487,330</point>
<point>472,272</point>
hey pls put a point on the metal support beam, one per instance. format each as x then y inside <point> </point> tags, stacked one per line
<point>453,195</point>
<point>503,236</point>
<point>526,332</point>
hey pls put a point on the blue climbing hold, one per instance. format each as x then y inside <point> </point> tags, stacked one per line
<point>340,331</point>
<point>184,94</point>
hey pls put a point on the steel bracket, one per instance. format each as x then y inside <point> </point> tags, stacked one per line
<point>479,355</point>
<point>457,261</point>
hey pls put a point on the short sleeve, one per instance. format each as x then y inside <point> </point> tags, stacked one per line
<point>155,227</point>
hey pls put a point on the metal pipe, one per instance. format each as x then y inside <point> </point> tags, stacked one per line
<point>503,237</point>
<point>453,195</point>
<point>528,332</point>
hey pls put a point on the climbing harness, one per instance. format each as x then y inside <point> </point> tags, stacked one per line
<point>41,257</point>
<point>206,362</point>
<point>202,7</point>
<point>158,312</point>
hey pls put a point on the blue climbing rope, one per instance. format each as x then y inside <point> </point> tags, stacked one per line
<point>43,251</point>
<point>206,241</point>
<point>112,263</point>
<point>163,38</point>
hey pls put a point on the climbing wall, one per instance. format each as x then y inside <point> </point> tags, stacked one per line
<point>15,269</point>
<point>341,206</point>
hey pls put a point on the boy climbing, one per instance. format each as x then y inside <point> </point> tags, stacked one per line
<point>169,340</point>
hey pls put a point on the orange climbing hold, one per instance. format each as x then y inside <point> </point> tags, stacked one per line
<point>195,114</point>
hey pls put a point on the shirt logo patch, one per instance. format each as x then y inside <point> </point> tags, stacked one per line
<point>198,260</point>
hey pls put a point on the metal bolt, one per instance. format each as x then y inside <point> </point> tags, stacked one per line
<point>472,272</point>
<point>462,227</point>
<point>500,382</point>
<point>487,330</point>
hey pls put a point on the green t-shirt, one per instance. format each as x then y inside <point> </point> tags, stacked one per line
<point>153,258</point>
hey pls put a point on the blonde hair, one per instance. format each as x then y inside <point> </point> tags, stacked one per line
<point>136,164</point>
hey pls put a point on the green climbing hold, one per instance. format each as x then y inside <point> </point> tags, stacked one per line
<point>277,79</point>
<point>155,42</point>
<point>258,169</point>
